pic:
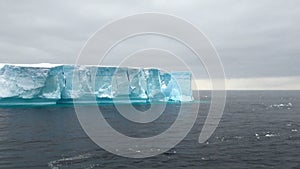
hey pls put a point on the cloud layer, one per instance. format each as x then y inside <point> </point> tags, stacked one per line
<point>255,39</point>
<point>260,83</point>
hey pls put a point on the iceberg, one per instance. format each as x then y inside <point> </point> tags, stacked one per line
<point>63,82</point>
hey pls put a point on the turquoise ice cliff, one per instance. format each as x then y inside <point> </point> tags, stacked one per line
<point>65,82</point>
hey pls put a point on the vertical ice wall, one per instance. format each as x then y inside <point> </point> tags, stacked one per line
<point>103,82</point>
<point>53,85</point>
<point>177,86</point>
<point>137,84</point>
<point>154,84</point>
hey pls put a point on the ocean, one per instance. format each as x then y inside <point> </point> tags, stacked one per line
<point>259,129</point>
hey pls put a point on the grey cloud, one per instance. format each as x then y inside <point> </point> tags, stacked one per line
<point>253,38</point>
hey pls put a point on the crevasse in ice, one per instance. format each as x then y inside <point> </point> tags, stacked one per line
<point>77,82</point>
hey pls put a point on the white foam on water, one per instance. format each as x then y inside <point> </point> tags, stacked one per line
<point>56,164</point>
<point>238,137</point>
<point>282,105</point>
<point>270,135</point>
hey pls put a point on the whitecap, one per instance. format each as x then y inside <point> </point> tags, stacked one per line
<point>55,164</point>
<point>270,135</point>
<point>282,105</point>
<point>238,137</point>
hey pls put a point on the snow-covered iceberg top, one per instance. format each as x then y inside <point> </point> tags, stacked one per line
<point>57,82</point>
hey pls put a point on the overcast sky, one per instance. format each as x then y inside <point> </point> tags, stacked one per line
<point>255,39</point>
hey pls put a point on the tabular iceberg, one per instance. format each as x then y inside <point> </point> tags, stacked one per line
<point>59,82</point>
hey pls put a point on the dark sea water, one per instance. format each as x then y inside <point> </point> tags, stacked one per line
<point>259,129</point>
